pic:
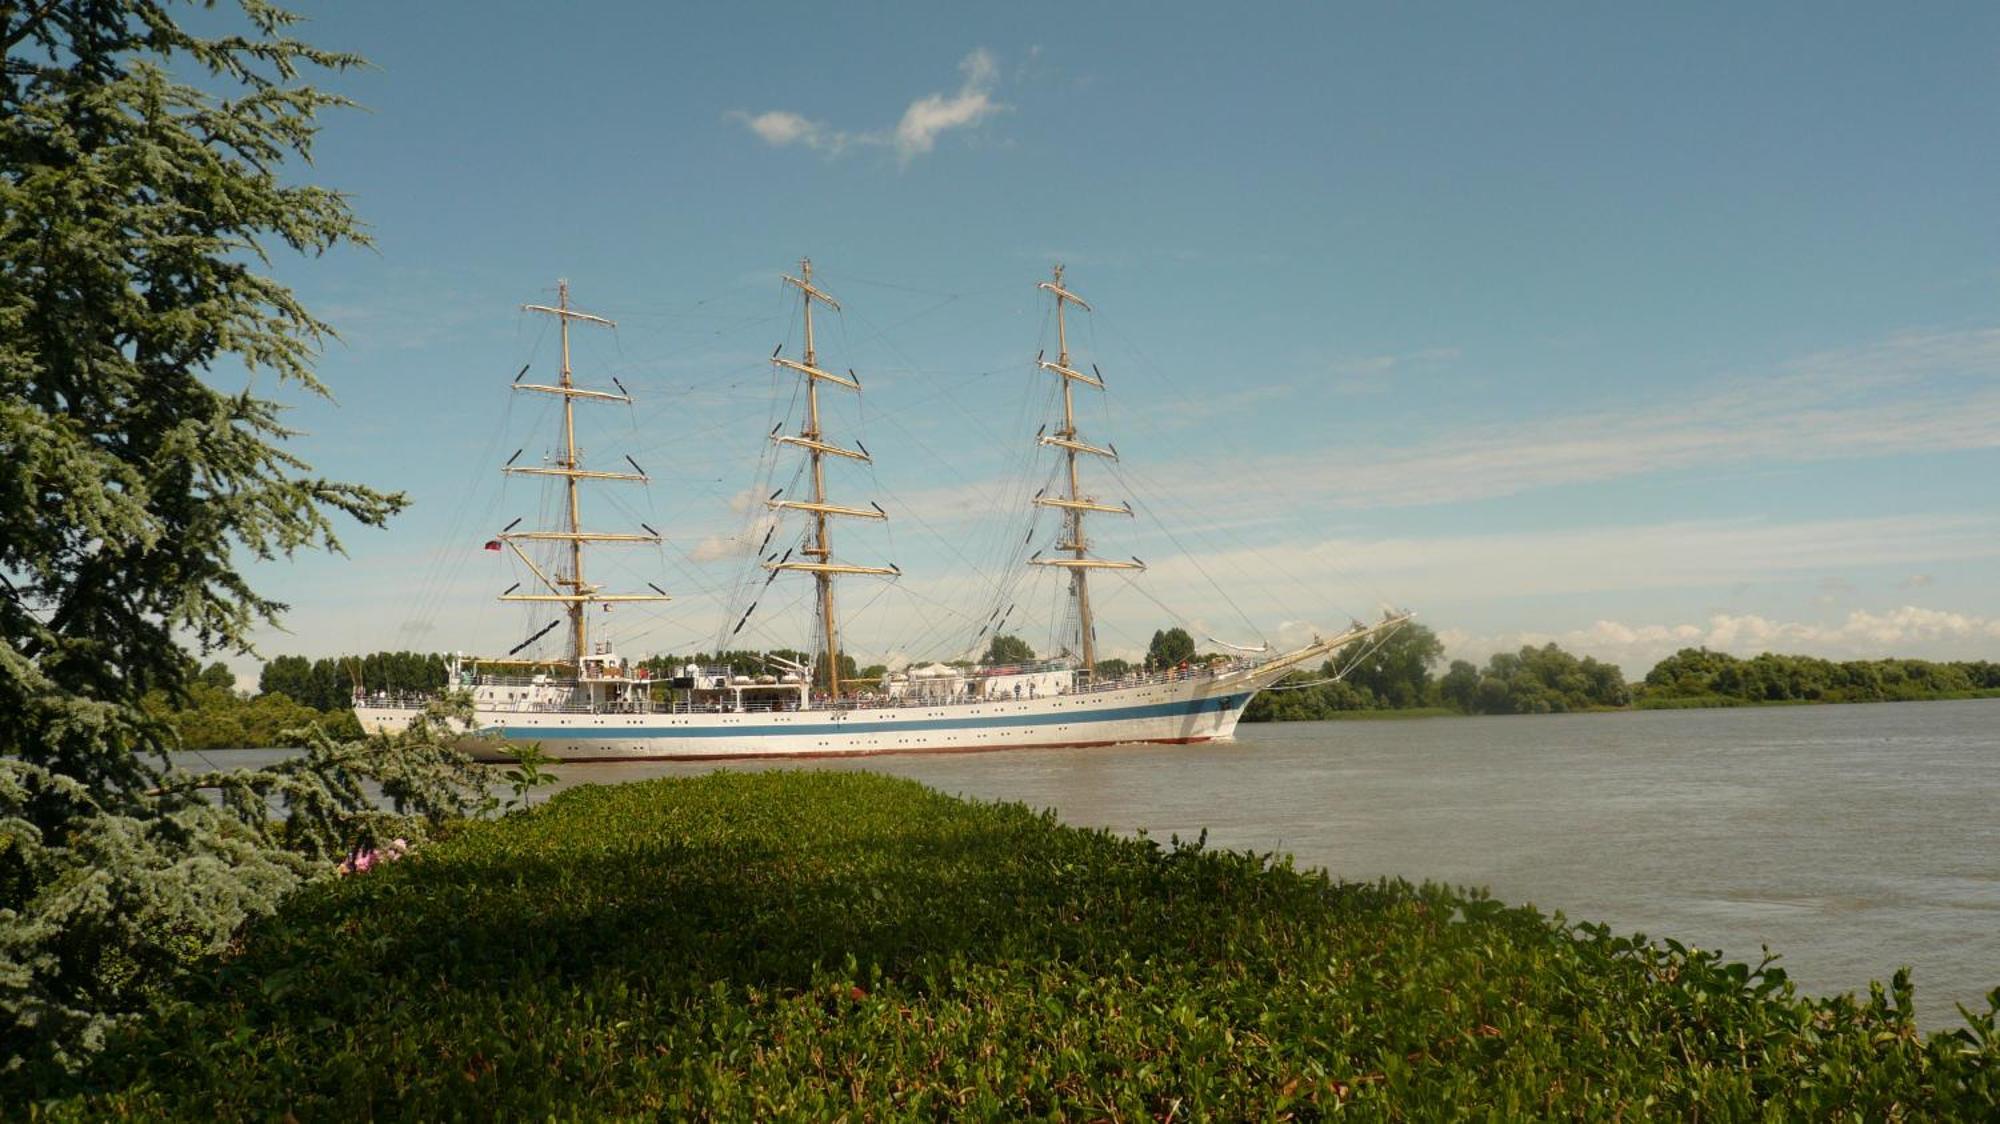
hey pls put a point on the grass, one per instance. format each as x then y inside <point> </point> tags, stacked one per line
<point>825,945</point>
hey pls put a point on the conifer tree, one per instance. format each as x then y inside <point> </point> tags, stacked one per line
<point>144,186</point>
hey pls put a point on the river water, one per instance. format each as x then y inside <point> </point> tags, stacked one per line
<point>1850,839</point>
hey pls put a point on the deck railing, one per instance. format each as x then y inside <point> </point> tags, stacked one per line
<point>417,700</point>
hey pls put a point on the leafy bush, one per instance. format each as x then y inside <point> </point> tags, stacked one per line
<point>792,945</point>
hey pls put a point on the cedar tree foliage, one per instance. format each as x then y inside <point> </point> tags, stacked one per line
<point>142,190</point>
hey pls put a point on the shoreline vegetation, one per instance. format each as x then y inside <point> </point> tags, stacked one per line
<point>1395,679</point>
<point>816,945</point>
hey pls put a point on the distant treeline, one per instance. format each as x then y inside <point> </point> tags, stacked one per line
<point>1697,676</point>
<point>1397,675</point>
<point>329,684</point>
<point>292,693</point>
<point>217,717</point>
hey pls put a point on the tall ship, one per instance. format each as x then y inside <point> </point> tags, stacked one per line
<point>592,703</point>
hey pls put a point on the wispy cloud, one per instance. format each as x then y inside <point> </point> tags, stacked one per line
<point>758,522</point>
<point>780,127</point>
<point>1290,592</point>
<point>1181,413</point>
<point>739,545</point>
<point>1372,374</point>
<point>1908,630</point>
<point>923,122</point>
<point>1269,580</point>
<point>1911,393</point>
<point>1914,392</point>
<point>932,114</point>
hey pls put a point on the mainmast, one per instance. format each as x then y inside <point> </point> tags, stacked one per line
<point>812,439</point>
<point>1076,504</point>
<point>570,588</point>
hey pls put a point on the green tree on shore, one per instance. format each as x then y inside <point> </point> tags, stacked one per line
<point>143,182</point>
<point>1007,649</point>
<point>329,684</point>
<point>1544,680</point>
<point>1460,685</point>
<point>1395,669</point>
<point>1171,647</point>
<point>1391,672</point>
<point>217,676</point>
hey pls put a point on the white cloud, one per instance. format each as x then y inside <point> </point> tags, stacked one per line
<point>743,542</point>
<point>780,127</point>
<point>916,133</point>
<point>1291,589</point>
<point>1289,592</point>
<point>1478,569</point>
<point>928,116</point>
<point>1908,631</point>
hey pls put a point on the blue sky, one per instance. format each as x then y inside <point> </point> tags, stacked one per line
<point>1628,329</point>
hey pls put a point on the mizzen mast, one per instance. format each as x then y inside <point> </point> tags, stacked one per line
<point>570,588</point>
<point>1076,504</point>
<point>812,439</point>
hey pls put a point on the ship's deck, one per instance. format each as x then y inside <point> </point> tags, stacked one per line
<point>417,701</point>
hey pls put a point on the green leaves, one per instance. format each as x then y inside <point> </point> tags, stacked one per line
<point>136,210</point>
<point>1170,648</point>
<point>1007,650</point>
<point>1699,677</point>
<point>815,945</point>
<point>529,773</point>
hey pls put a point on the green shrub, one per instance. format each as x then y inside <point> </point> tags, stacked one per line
<point>788,945</point>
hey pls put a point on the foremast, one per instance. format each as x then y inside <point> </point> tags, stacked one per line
<point>812,438</point>
<point>570,589</point>
<point>1075,504</point>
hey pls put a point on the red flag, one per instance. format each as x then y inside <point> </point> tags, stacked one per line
<point>493,544</point>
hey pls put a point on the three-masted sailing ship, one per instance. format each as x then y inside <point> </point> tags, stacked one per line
<point>595,705</point>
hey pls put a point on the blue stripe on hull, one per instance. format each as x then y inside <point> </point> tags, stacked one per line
<point>1214,703</point>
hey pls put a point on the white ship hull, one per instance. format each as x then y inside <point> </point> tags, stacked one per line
<point>1194,709</point>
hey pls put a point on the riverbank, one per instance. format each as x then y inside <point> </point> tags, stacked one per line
<point>1700,702</point>
<point>1389,715</point>
<point>1716,702</point>
<point>799,944</point>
